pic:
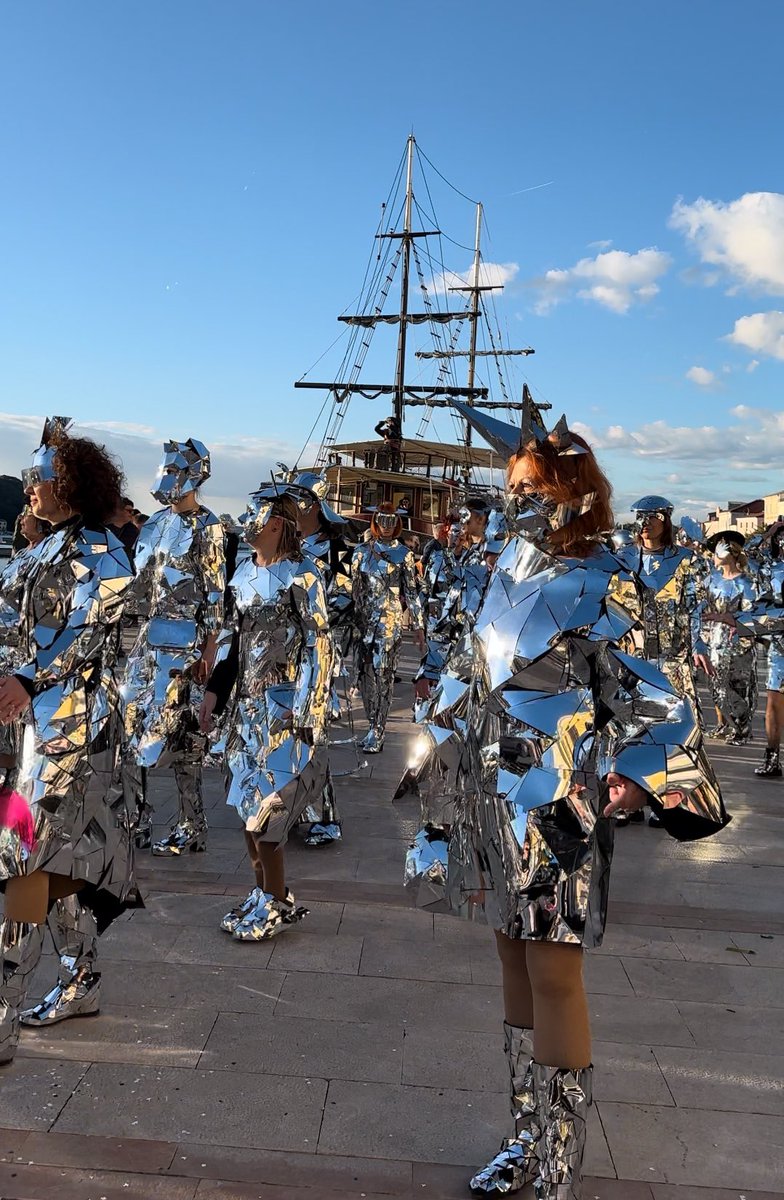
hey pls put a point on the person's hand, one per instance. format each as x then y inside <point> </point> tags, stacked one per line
<point>703,663</point>
<point>206,719</point>
<point>14,699</point>
<point>420,640</point>
<point>625,795</point>
<point>422,689</point>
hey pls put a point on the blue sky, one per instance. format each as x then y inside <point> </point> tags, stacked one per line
<point>191,191</point>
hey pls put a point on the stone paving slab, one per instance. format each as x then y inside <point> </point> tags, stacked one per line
<point>341,1060</point>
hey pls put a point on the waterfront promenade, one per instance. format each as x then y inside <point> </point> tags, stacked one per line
<point>360,1054</point>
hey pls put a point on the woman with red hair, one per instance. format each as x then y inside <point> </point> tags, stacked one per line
<point>559,730</point>
<point>385,585</point>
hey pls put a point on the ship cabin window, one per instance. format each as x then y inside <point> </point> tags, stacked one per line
<point>431,509</point>
<point>403,498</point>
<point>372,495</point>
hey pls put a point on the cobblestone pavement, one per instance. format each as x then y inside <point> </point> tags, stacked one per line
<point>360,1054</point>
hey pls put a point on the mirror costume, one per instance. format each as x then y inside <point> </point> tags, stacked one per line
<point>384,579</point>
<point>279,669</point>
<point>765,621</point>
<point>63,810</point>
<point>329,548</point>
<point>178,592</point>
<point>669,631</point>
<point>551,705</point>
<point>734,658</point>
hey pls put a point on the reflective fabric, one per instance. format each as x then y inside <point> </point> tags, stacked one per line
<point>12,580</point>
<point>275,756</point>
<point>185,466</point>
<point>734,658</point>
<point>551,705</point>
<point>384,579</point>
<point>181,578</point>
<point>667,609</point>
<point>64,811</point>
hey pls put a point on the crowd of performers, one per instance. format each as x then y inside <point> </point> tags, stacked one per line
<point>556,699</point>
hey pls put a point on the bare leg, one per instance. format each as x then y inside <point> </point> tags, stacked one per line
<point>774,718</point>
<point>562,1033</point>
<point>518,1000</point>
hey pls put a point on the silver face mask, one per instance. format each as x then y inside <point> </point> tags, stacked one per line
<point>41,470</point>
<point>386,522</point>
<point>643,519</point>
<point>185,466</point>
<point>260,511</point>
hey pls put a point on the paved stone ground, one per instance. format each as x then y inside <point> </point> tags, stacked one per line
<point>360,1054</point>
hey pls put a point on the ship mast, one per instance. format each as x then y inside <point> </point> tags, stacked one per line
<point>408,237</point>
<point>406,395</point>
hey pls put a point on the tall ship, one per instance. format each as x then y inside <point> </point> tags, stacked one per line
<point>423,477</point>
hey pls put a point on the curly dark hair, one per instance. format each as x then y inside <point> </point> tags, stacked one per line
<point>87,479</point>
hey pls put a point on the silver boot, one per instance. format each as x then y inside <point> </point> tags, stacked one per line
<point>268,918</point>
<point>20,950</point>
<point>232,919</point>
<point>563,1099</point>
<point>77,992</point>
<point>184,837</point>
<point>190,832</point>
<point>326,830</point>
<point>373,742</point>
<point>516,1163</point>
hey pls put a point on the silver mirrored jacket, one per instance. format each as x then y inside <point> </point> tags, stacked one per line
<point>734,657</point>
<point>552,705</point>
<point>73,820</point>
<point>280,667</point>
<point>178,592</point>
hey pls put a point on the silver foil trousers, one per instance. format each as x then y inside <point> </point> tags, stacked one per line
<point>77,992</point>
<point>550,1110</point>
<point>20,950</point>
<point>190,832</point>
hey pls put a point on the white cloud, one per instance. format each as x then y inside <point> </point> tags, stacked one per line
<point>752,366</point>
<point>615,279</point>
<point>600,245</point>
<point>701,376</point>
<point>745,237</point>
<point>490,275</point>
<point>754,441</point>
<point>762,333</point>
<point>237,467</point>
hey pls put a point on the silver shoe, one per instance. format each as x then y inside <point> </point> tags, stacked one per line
<point>563,1099</point>
<point>183,837</point>
<point>20,950</point>
<point>320,834</point>
<point>372,743</point>
<point>142,834</point>
<point>268,918</point>
<point>77,992</point>
<point>232,919</point>
<point>516,1163</point>
<point>79,998</point>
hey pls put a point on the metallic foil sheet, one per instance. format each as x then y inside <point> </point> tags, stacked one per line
<point>77,992</point>
<point>384,580</point>
<point>178,593</point>
<point>734,657</point>
<point>563,1099</point>
<point>65,775</point>
<point>550,705</point>
<point>516,1163</point>
<point>275,757</point>
<point>20,952</point>
<point>667,609</point>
